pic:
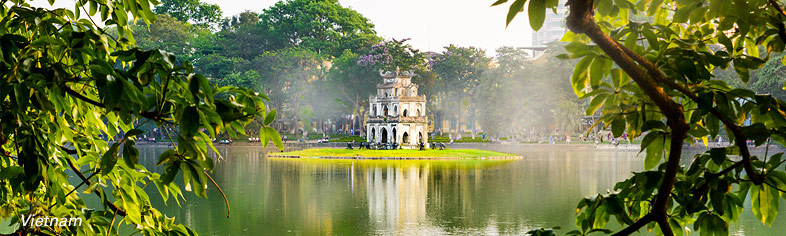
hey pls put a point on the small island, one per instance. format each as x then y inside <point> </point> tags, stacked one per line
<point>399,154</point>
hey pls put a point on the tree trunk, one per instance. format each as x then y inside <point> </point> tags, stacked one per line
<point>458,117</point>
<point>356,119</point>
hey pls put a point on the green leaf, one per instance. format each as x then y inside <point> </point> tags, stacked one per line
<point>774,161</point>
<point>514,9</point>
<point>718,155</point>
<point>725,41</point>
<point>109,159</point>
<point>206,122</point>
<point>618,127</point>
<point>718,8</point>
<point>193,86</point>
<point>579,77</point>
<point>270,117</point>
<point>166,156</point>
<point>198,178</point>
<point>714,225</point>
<point>10,172</point>
<point>537,13</point>
<point>130,154</point>
<point>93,8</point>
<point>170,172</point>
<point>713,125</point>
<point>596,71</point>
<point>263,136</point>
<point>498,2</point>
<point>189,122</point>
<point>654,7</point>
<point>764,202</point>
<point>114,90</point>
<point>595,104</point>
<point>654,152</point>
<point>273,135</point>
<point>162,190</point>
<point>134,132</point>
<point>682,15</point>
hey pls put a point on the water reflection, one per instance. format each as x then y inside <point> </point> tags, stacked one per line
<point>307,197</point>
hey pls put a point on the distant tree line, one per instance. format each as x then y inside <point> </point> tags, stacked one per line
<point>319,61</point>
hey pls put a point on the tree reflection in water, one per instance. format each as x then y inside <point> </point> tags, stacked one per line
<point>362,197</point>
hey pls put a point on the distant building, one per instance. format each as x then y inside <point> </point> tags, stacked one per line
<point>398,114</point>
<point>553,27</point>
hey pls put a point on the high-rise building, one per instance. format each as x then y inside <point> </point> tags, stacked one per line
<point>553,26</point>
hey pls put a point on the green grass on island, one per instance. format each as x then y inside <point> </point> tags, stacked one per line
<point>401,153</point>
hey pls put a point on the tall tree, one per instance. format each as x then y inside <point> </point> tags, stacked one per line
<point>242,36</point>
<point>660,82</point>
<point>500,108</point>
<point>393,55</point>
<point>322,26</point>
<point>289,75</point>
<point>352,83</point>
<point>461,69</point>
<point>194,11</point>
<point>166,33</point>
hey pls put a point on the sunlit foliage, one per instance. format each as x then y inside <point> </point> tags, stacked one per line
<point>648,67</point>
<point>72,97</point>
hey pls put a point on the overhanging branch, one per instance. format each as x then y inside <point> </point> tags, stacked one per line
<point>111,205</point>
<point>581,20</point>
<point>740,139</point>
<point>146,114</point>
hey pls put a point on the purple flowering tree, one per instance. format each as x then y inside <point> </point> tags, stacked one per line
<point>392,55</point>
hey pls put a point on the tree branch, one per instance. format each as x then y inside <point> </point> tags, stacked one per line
<point>112,206</point>
<point>145,114</point>
<point>581,20</point>
<point>740,139</point>
<point>636,225</point>
<point>219,189</point>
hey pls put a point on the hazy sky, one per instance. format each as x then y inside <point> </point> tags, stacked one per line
<point>432,24</point>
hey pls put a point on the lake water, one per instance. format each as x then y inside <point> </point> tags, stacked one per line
<point>365,197</point>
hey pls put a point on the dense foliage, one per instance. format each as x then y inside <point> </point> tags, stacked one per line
<point>393,55</point>
<point>73,97</point>
<point>648,66</point>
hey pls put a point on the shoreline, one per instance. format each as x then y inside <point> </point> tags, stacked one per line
<point>293,146</point>
<point>269,155</point>
<point>399,154</point>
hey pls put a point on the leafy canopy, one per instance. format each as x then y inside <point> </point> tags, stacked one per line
<point>72,98</point>
<point>393,55</point>
<point>323,26</point>
<point>194,11</point>
<point>648,66</point>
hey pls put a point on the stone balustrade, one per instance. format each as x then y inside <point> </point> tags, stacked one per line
<point>397,119</point>
<point>399,99</point>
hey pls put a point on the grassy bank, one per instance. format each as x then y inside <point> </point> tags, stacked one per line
<point>430,153</point>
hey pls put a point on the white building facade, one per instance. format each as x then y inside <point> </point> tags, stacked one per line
<point>397,114</point>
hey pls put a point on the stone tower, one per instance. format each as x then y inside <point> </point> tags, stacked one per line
<point>397,114</point>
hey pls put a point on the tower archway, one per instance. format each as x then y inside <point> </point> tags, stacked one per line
<point>384,135</point>
<point>405,138</point>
